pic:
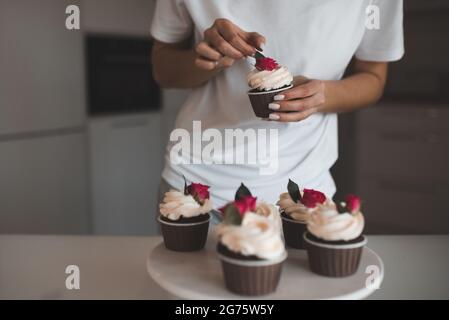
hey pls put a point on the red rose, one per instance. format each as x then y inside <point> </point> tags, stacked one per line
<point>243,205</point>
<point>265,63</point>
<point>352,203</point>
<point>246,204</point>
<point>310,198</point>
<point>199,192</point>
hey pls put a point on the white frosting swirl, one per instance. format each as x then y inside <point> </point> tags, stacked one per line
<point>176,205</point>
<point>257,235</point>
<point>328,224</point>
<point>269,211</point>
<point>269,80</point>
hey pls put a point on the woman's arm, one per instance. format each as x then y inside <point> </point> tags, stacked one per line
<point>174,66</point>
<point>179,66</point>
<point>362,87</point>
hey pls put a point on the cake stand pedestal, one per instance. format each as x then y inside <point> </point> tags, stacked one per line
<point>198,275</point>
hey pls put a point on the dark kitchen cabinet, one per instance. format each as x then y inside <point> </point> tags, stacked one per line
<point>401,172</point>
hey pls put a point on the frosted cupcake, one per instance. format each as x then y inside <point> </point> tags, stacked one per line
<point>266,80</point>
<point>296,207</point>
<point>184,217</point>
<point>250,246</point>
<point>334,239</point>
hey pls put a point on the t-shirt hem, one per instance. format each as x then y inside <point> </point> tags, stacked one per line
<point>167,37</point>
<point>390,55</point>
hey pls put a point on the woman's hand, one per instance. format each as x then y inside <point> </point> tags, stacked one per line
<point>298,103</point>
<point>223,43</point>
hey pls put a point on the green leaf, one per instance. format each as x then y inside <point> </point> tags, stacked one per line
<point>293,191</point>
<point>232,215</point>
<point>242,192</point>
<point>258,55</point>
<point>186,192</point>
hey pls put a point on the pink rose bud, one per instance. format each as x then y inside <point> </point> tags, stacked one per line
<point>352,203</point>
<point>266,63</point>
<point>310,198</point>
<point>199,192</point>
<point>246,204</point>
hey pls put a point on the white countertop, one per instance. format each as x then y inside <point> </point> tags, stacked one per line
<point>33,267</point>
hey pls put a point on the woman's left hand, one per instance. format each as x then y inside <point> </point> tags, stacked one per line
<point>298,103</point>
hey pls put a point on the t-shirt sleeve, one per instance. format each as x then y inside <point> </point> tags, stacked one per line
<point>171,21</point>
<point>385,43</point>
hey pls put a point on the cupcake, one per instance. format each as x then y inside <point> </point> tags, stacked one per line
<point>334,239</point>
<point>296,207</point>
<point>266,80</point>
<point>250,246</point>
<point>184,217</point>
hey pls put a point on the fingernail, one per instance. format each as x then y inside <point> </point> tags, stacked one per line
<point>274,116</point>
<point>279,97</point>
<point>273,106</point>
<point>262,45</point>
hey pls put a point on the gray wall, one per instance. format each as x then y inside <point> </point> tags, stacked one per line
<point>62,172</point>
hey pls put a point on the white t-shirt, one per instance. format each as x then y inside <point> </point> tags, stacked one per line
<point>313,38</point>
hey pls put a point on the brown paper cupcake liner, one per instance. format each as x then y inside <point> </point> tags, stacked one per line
<point>334,260</point>
<point>293,233</point>
<point>184,236</point>
<point>260,101</point>
<point>251,278</point>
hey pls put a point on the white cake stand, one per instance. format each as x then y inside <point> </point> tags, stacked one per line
<point>198,275</point>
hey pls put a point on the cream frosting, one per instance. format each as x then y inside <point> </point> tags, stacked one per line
<point>269,211</point>
<point>176,205</point>
<point>258,235</point>
<point>264,80</point>
<point>328,224</point>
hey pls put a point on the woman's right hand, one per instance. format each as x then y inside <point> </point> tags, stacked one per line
<point>223,43</point>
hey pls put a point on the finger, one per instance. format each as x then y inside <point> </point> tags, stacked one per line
<point>239,43</point>
<point>225,62</point>
<point>221,45</point>
<point>255,39</point>
<point>302,91</point>
<point>297,104</point>
<point>205,64</point>
<point>204,50</point>
<point>233,37</point>
<point>292,116</point>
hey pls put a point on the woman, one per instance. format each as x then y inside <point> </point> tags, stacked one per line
<point>207,45</point>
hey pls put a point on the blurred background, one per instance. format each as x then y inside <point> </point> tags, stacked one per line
<point>83,126</point>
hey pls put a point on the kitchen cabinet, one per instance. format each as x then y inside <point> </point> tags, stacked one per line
<point>43,149</point>
<point>43,185</point>
<point>125,166</point>
<point>41,67</point>
<point>402,153</point>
